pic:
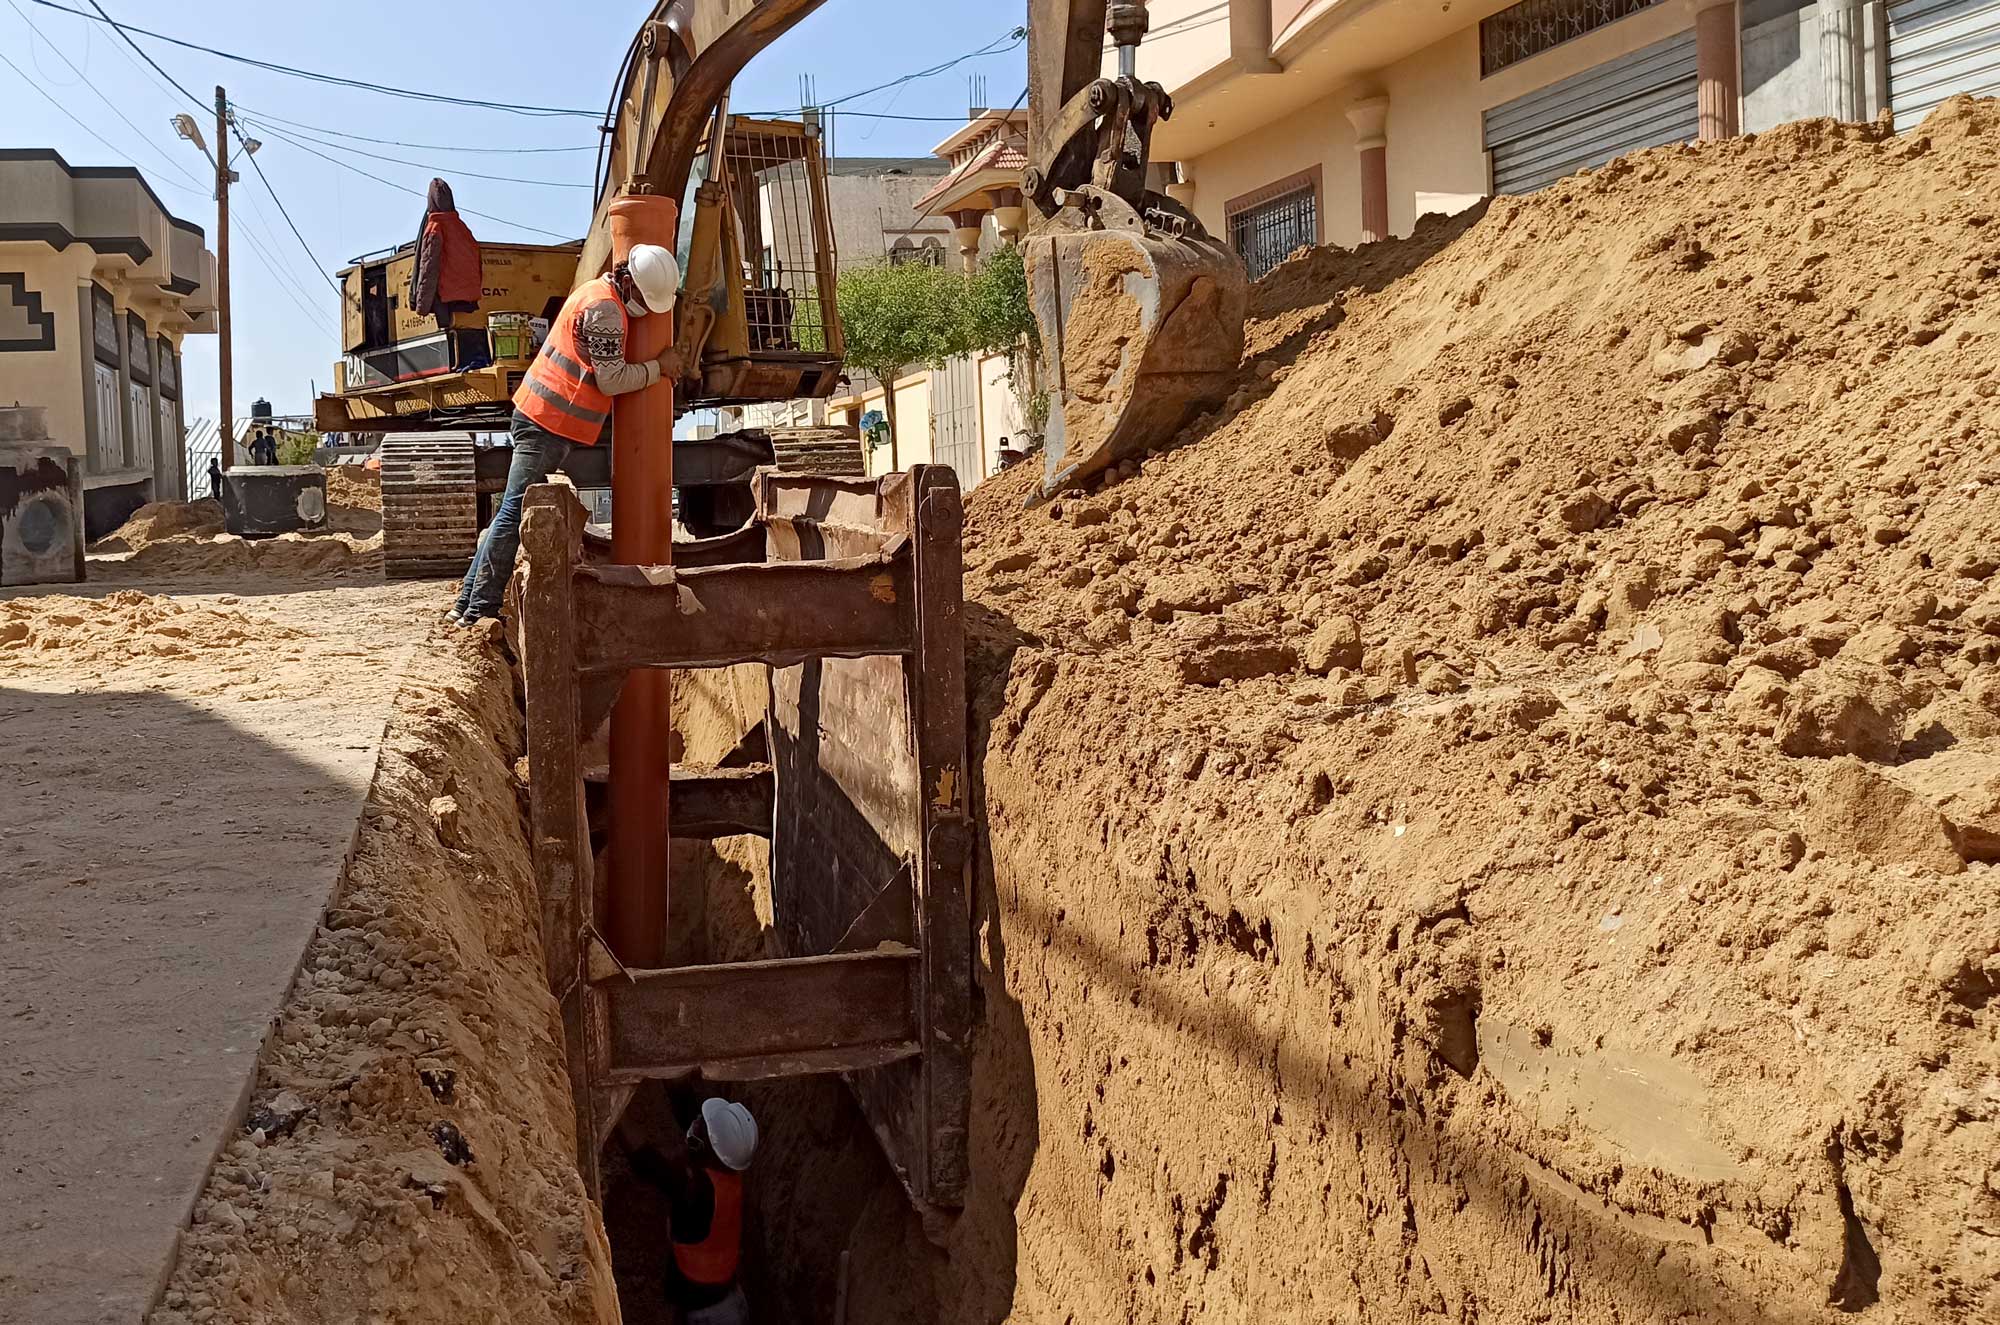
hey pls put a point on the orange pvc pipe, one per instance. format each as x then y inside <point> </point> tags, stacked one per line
<point>642,534</point>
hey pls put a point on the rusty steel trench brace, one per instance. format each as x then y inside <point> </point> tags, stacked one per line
<point>851,608</point>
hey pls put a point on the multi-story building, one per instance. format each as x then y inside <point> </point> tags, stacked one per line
<point>1338,121</point>
<point>99,285</point>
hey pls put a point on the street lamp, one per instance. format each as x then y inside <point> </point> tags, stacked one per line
<point>185,126</point>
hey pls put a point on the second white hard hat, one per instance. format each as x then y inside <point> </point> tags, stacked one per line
<point>732,1132</point>
<point>656,274</point>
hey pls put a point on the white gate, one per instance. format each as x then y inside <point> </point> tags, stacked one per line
<point>1645,99</point>
<point>1938,48</point>
<point>955,439</point>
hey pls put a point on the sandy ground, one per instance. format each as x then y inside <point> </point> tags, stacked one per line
<point>193,737</point>
<point>185,771</point>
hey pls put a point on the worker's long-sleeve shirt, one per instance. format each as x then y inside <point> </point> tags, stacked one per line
<point>601,331</point>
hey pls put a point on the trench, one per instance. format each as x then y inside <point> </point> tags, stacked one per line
<point>829,1233</point>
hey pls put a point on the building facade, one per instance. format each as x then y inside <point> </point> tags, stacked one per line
<point>1340,121</point>
<point>99,286</point>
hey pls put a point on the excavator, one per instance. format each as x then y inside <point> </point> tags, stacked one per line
<point>839,598</point>
<point>1140,311</point>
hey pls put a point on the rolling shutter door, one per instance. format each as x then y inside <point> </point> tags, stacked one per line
<point>1644,99</point>
<point>1937,48</point>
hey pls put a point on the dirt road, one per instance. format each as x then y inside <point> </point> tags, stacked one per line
<point>188,746</point>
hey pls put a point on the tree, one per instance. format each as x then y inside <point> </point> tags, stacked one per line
<point>894,318</point>
<point>1003,323</point>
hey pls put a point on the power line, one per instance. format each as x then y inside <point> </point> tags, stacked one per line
<point>172,164</point>
<point>944,189</point>
<point>1013,37</point>
<point>259,168</point>
<point>428,165</point>
<point>404,188</point>
<point>104,17</point>
<point>268,118</point>
<point>125,30</point>
<point>259,230</point>
<point>50,98</point>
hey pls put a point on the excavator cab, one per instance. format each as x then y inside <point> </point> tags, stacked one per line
<point>755,319</point>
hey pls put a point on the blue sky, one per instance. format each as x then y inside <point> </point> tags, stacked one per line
<point>515,51</point>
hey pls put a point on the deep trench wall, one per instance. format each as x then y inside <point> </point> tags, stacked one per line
<point>821,1186</point>
<point>417,1162</point>
<point>1493,825</point>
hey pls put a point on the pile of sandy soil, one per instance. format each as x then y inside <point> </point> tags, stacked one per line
<point>1497,824</point>
<point>187,539</point>
<point>76,635</point>
<point>354,487</point>
<point>409,1152</point>
<point>288,556</point>
<point>162,520</point>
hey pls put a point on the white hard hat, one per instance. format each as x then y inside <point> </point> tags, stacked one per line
<point>656,274</point>
<point>732,1132</point>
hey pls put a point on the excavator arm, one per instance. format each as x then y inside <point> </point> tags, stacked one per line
<point>1140,310</point>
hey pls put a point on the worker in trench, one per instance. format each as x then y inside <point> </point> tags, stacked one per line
<point>702,1176</point>
<point>565,401</point>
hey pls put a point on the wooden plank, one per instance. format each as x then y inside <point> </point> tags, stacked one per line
<point>667,1023</point>
<point>777,613</point>
<point>551,527</point>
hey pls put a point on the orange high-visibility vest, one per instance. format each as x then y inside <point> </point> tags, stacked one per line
<point>713,1260</point>
<point>560,392</point>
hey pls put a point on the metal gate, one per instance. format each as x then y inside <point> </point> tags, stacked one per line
<point>1645,99</point>
<point>1938,48</point>
<point>955,439</point>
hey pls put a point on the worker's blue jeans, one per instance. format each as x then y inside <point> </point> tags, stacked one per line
<point>537,454</point>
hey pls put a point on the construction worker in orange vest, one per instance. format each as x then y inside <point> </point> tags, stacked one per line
<point>565,401</point>
<point>703,1179</point>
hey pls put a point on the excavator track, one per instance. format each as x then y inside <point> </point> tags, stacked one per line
<point>430,505</point>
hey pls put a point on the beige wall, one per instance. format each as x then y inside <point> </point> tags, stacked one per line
<point>1436,153</point>
<point>51,379</point>
<point>999,411</point>
<point>913,420</point>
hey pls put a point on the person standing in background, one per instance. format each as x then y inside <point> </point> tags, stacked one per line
<point>445,279</point>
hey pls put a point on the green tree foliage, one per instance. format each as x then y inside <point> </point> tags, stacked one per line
<point>896,318</point>
<point>997,304</point>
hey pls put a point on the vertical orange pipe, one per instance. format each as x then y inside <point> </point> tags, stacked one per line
<point>642,534</point>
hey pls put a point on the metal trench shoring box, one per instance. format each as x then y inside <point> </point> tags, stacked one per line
<point>854,604</point>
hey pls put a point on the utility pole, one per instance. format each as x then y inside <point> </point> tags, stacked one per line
<point>222,273</point>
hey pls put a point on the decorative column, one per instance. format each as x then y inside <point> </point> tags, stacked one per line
<point>1370,118</point>
<point>1182,188</point>
<point>1718,75</point>
<point>1009,215</point>
<point>1843,59</point>
<point>965,228</point>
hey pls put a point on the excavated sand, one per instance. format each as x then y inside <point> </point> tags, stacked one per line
<point>1496,825</point>
<point>354,487</point>
<point>409,1150</point>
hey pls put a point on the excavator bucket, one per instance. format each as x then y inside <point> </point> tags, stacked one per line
<point>1142,324</point>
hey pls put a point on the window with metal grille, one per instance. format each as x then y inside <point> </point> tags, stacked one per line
<point>1534,26</point>
<point>1265,233</point>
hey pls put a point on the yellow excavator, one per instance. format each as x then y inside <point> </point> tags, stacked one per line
<point>1140,311</point>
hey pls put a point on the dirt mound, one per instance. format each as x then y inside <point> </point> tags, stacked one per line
<point>289,556</point>
<point>1462,832</point>
<point>354,487</point>
<point>78,634</point>
<point>157,521</point>
<point>409,1150</point>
